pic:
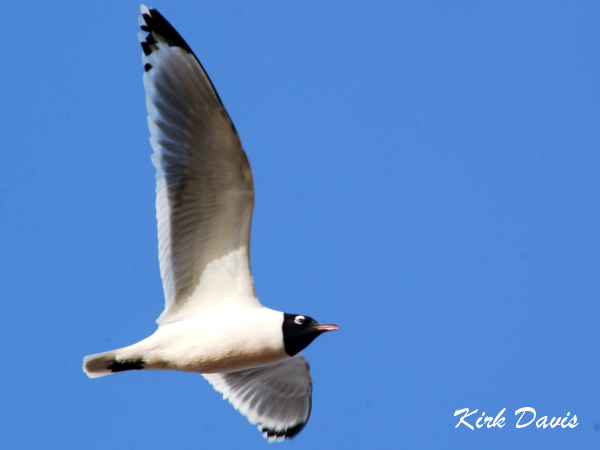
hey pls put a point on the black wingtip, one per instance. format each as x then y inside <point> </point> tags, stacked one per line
<point>290,432</point>
<point>293,431</point>
<point>155,22</point>
<point>287,434</point>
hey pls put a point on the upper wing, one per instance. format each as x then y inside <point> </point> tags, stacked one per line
<point>204,188</point>
<point>276,398</point>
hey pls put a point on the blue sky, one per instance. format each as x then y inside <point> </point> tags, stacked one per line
<point>426,175</point>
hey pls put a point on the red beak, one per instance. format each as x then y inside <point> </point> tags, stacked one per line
<point>326,327</point>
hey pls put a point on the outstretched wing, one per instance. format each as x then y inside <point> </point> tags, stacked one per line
<point>276,398</point>
<point>204,188</point>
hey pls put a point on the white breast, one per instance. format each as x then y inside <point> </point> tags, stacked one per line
<point>219,340</point>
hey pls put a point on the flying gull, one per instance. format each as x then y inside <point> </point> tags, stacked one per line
<point>212,323</point>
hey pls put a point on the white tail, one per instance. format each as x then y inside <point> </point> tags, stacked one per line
<point>99,364</point>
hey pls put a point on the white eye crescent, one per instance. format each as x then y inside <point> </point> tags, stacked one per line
<point>299,320</point>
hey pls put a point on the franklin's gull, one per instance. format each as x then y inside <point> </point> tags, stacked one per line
<point>212,323</point>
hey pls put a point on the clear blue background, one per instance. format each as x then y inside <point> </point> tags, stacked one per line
<point>427,177</point>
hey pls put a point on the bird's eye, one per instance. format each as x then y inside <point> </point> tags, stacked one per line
<point>299,320</point>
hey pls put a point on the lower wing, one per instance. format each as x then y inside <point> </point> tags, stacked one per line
<point>276,398</point>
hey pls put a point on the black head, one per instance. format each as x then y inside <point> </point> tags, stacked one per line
<point>299,331</point>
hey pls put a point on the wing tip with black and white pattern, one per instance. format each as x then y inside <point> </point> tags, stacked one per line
<point>274,435</point>
<point>151,21</point>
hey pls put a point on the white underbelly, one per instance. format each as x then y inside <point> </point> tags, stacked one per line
<point>214,342</point>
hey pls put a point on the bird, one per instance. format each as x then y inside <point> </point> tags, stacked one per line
<point>213,323</point>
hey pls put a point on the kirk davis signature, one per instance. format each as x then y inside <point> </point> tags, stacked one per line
<point>526,418</point>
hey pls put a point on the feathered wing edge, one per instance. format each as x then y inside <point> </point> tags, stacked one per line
<point>204,187</point>
<point>276,398</point>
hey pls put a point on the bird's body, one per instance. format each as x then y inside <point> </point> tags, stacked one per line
<point>218,340</point>
<point>212,323</point>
